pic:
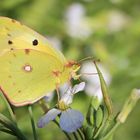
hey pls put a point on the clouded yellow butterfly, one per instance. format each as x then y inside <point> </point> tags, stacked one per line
<point>30,67</point>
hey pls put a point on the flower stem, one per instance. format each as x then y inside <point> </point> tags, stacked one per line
<point>7,131</point>
<point>32,122</point>
<point>81,134</point>
<point>75,135</point>
<point>9,109</point>
<point>8,124</point>
<point>67,135</point>
<point>111,131</point>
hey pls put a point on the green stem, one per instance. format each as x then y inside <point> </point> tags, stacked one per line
<point>99,129</point>
<point>67,135</point>
<point>81,134</point>
<point>32,122</point>
<point>105,127</point>
<point>127,108</point>
<point>75,135</point>
<point>9,109</point>
<point>7,131</point>
<point>11,126</point>
<point>111,131</point>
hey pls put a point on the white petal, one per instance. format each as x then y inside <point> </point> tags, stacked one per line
<point>79,87</point>
<point>64,88</point>
<point>49,116</point>
<point>67,98</point>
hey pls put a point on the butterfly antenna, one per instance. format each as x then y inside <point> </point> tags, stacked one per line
<point>84,59</point>
<point>89,73</point>
<point>89,58</point>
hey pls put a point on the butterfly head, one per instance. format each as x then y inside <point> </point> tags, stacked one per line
<point>74,67</point>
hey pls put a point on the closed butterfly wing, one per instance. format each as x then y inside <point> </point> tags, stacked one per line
<point>27,76</point>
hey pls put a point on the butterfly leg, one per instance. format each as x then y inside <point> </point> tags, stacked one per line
<point>57,91</point>
<point>56,75</point>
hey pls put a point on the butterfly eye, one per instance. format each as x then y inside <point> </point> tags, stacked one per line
<point>35,42</point>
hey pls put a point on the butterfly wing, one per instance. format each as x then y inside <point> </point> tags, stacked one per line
<point>14,35</point>
<point>25,77</point>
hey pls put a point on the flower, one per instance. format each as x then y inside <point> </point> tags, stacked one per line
<point>93,84</point>
<point>70,119</point>
<point>117,20</point>
<point>76,21</point>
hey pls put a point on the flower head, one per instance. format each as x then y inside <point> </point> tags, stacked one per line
<point>93,84</point>
<point>70,119</point>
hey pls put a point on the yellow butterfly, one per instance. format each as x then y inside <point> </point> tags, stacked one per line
<point>30,67</point>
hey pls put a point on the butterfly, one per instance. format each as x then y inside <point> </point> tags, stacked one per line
<point>30,67</point>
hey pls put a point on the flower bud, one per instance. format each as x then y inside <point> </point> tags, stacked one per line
<point>129,105</point>
<point>99,117</point>
<point>90,116</point>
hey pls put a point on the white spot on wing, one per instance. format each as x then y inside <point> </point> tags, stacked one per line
<point>27,68</point>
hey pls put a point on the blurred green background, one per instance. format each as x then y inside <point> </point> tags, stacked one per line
<point>106,29</point>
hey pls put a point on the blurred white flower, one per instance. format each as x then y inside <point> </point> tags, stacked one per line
<point>75,21</point>
<point>117,21</point>
<point>93,84</point>
<point>116,1</point>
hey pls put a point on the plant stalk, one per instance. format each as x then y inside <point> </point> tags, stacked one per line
<point>32,122</point>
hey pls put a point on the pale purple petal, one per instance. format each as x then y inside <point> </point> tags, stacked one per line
<point>49,116</point>
<point>71,120</point>
<point>67,98</point>
<point>65,88</point>
<point>79,87</point>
